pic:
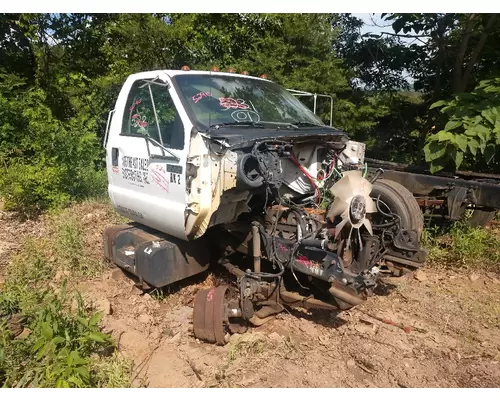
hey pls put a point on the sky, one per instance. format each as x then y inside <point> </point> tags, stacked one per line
<point>370,20</point>
<point>374,24</point>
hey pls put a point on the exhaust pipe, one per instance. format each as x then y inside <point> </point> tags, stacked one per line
<point>343,295</point>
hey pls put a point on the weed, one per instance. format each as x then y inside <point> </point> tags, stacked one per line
<point>103,202</point>
<point>30,266</point>
<point>59,347</point>
<point>464,246</point>
<point>113,372</point>
<point>434,241</point>
<point>247,348</point>
<point>158,294</point>
<point>69,245</point>
<point>475,243</point>
<point>56,351</point>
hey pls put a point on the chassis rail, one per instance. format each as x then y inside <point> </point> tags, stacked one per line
<point>451,190</point>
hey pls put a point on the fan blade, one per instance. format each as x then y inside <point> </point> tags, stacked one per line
<point>337,208</point>
<point>371,207</point>
<point>355,181</point>
<point>355,173</point>
<point>360,241</point>
<point>368,226</point>
<point>339,226</point>
<point>348,241</point>
<point>359,184</point>
<point>367,187</point>
<point>342,189</point>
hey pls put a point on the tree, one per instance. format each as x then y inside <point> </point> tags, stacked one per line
<point>376,62</point>
<point>453,58</point>
<point>459,49</point>
<point>472,131</point>
<point>16,54</point>
<point>54,108</point>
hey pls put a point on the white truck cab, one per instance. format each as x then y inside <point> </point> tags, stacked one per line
<point>160,170</point>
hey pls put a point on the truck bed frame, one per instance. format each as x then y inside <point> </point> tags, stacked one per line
<point>442,194</point>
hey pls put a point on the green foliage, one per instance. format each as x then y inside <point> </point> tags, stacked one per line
<point>61,344</point>
<point>60,75</point>
<point>32,188</point>
<point>454,51</point>
<point>376,62</point>
<point>57,344</point>
<point>463,246</point>
<point>46,162</point>
<point>57,349</point>
<point>69,247</point>
<point>445,54</point>
<point>472,128</point>
<point>112,372</point>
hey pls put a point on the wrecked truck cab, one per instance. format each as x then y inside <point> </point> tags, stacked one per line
<point>235,168</point>
<point>163,166</point>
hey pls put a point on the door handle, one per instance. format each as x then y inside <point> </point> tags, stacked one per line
<point>114,157</point>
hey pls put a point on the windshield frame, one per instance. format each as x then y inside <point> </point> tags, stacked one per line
<point>206,128</point>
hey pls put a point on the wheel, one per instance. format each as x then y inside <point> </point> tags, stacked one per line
<point>480,218</point>
<point>400,201</point>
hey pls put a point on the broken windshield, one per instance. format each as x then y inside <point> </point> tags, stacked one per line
<point>222,100</point>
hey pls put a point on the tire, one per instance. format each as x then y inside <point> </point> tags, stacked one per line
<point>480,218</point>
<point>401,202</point>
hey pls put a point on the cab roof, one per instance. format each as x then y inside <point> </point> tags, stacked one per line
<point>174,72</point>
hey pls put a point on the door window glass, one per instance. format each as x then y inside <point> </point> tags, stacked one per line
<point>150,111</point>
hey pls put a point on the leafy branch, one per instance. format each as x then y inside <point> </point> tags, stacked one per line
<point>473,125</point>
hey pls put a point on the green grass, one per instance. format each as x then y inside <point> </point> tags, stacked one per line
<point>62,344</point>
<point>68,245</point>
<point>463,246</point>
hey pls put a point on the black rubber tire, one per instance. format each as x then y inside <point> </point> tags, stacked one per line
<point>480,218</point>
<point>401,202</point>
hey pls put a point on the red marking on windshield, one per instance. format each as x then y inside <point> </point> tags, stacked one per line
<point>197,97</point>
<point>230,103</point>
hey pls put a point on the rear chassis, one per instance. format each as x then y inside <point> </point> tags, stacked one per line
<point>446,196</point>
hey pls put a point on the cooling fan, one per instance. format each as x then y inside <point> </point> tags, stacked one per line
<point>352,202</point>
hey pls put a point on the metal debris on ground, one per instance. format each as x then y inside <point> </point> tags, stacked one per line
<point>405,328</point>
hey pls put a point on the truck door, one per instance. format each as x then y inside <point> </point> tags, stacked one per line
<point>146,154</point>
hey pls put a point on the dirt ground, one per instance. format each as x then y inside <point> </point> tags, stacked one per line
<point>459,346</point>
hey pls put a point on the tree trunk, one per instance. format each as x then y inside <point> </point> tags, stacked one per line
<point>463,83</point>
<point>459,60</point>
